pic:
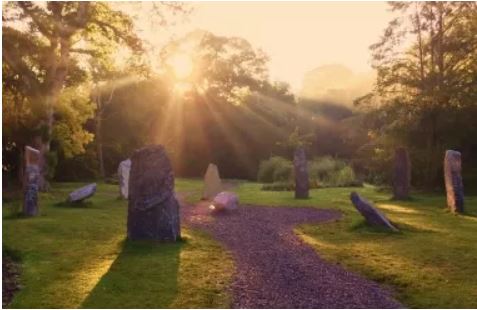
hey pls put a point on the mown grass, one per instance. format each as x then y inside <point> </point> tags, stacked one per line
<point>431,263</point>
<point>78,257</point>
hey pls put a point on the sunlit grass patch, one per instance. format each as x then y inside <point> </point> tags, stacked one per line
<point>77,256</point>
<point>430,263</point>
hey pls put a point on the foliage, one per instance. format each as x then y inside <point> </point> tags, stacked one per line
<point>275,169</point>
<point>279,186</point>
<point>331,172</point>
<point>426,89</point>
<point>44,49</point>
<point>277,173</point>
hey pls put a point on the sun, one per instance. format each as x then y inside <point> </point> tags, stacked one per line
<point>181,64</point>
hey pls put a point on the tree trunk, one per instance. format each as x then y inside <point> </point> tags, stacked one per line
<point>99,145</point>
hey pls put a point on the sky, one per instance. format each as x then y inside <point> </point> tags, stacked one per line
<point>298,36</point>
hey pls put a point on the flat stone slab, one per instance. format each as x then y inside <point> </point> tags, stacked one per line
<point>372,215</point>
<point>225,201</point>
<point>82,193</point>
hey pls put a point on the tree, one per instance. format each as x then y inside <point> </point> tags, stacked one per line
<point>44,45</point>
<point>227,109</point>
<point>427,75</point>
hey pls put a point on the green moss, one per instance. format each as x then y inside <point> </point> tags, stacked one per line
<point>431,263</point>
<point>78,257</point>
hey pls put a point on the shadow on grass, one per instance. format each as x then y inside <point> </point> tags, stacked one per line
<point>80,204</point>
<point>363,227</point>
<point>144,275</point>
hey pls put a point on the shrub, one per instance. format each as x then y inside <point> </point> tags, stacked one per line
<point>344,177</point>
<point>331,172</point>
<point>277,173</point>
<point>279,186</point>
<point>274,169</point>
<point>283,172</point>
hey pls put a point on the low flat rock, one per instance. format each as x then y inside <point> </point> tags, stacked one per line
<point>372,215</point>
<point>82,193</point>
<point>275,268</point>
<point>225,201</point>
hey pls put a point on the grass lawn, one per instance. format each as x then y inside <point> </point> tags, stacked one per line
<point>431,263</point>
<point>78,257</point>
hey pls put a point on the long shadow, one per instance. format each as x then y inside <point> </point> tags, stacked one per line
<point>144,275</point>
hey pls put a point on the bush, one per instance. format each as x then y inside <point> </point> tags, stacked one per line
<point>344,177</point>
<point>275,169</point>
<point>277,173</point>
<point>330,172</point>
<point>279,186</point>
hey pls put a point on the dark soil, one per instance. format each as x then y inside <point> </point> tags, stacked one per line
<point>10,275</point>
<point>275,268</point>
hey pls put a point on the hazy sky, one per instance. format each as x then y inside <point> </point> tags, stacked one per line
<point>299,36</point>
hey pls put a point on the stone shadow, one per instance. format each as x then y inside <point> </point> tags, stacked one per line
<point>144,275</point>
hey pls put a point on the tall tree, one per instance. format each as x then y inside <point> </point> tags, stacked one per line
<point>427,75</point>
<point>56,37</point>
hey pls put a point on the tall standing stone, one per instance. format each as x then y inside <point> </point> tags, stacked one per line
<point>31,182</point>
<point>401,174</point>
<point>153,211</point>
<point>453,181</point>
<point>212,182</point>
<point>301,173</point>
<point>124,169</point>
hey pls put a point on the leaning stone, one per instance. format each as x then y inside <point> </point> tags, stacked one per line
<point>225,201</point>
<point>82,193</point>
<point>153,211</point>
<point>401,174</point>
<point>212,182</point>
<point>123,175</point>
<point>372,215</point>
<point>301,173</point>
<point>453,181</point>
<point>31,182</point>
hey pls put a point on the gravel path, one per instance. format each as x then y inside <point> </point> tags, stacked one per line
<point>275,269</point>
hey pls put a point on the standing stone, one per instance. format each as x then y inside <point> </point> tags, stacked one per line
<point>31,182</point>
<point>123,176</point>
<point>212,182</point>
<point>153,211</point>
<point>372,215</point>
<point>453,181</point>
<point>301,173</point>
<point>401,174</point>
<point>82,193</point>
